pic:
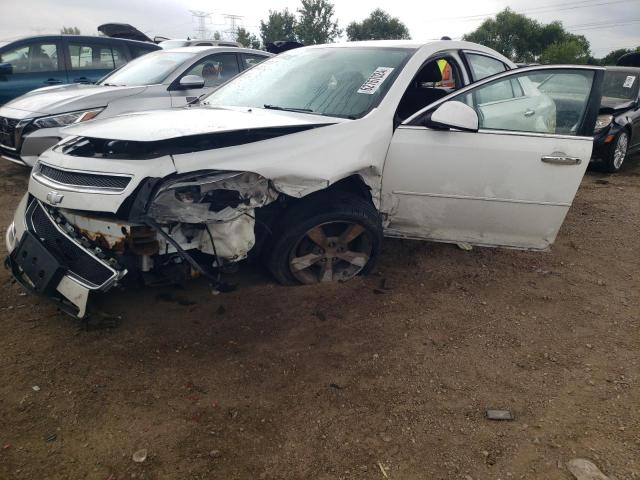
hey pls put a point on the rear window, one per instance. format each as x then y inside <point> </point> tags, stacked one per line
<point>622,85</point>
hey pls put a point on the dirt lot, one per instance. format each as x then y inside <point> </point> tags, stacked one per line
<point>333,382</point>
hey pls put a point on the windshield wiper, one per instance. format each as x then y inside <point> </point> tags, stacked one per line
<point>110,85</point>
<point>287,109</point>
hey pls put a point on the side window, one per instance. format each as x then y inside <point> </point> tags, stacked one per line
<point>32,58</point>
<point>553,104</point>
<point>249,60</point>
<point>436,79</point>
<point>483,66</point>
<point>119,55</point>
<point>216,69</point>
<point>137,51</point>
<point>91,57</point>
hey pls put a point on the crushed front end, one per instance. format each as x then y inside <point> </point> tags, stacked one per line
<point>79,232</point>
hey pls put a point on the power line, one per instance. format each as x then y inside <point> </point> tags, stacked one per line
<point>201,17</point>
<point>542,9</point>
<point>233,20</point>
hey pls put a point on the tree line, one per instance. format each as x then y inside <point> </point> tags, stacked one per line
<point>516,36</point>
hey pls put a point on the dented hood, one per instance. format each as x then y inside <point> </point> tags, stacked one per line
<point>68,98</point>
<point>159,125</point>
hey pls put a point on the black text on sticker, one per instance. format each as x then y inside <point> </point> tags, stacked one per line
<point>374,81</point>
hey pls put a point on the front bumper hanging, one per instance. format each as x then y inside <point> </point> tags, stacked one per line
<point>47,258</point>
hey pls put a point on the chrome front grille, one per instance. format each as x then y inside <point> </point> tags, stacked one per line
<point>8,132</point>
<point>82,180</point>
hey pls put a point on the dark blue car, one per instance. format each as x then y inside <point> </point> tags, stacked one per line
<point>41,61</point>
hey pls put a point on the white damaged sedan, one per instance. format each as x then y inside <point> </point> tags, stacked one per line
<point>306,161</point>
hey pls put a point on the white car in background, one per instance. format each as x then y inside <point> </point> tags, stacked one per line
<point>307,160</point>
<point>162,79</point>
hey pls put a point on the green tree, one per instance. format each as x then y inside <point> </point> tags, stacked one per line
<point>217,35</point>
<point>612,57</point>
<point>279,26</point>
<point>524,39</point>
<point>378,26</point>
<point>316,24</point>
<point>566,51</point>
<point>70,31</point>
<point>247,39</point>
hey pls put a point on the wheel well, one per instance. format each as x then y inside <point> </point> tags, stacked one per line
<point>268,218</point>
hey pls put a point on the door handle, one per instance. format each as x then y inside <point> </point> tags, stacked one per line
<point>529,113</point>
<point>52,81</point>
<point>561,160</point>
<point>81,80</point>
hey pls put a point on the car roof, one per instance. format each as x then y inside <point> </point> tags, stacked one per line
<point>78,37</point>
<point>635,70</point>
<point>215,48</point>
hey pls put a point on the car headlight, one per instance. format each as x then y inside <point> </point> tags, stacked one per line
<point>207,197</point>
<point>603,121</point>
<point>65,119</point>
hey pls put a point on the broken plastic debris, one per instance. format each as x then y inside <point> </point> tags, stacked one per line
<point>465,246</point>
<point>140,456</point>
<point>35,388</point>
<point>583,469</point>
<point>499,415</point>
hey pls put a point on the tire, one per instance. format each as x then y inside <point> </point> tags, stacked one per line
<point>328,236</point>
<point>617,152</point>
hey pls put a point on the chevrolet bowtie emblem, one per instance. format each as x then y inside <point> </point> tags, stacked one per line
<point>54,198</point>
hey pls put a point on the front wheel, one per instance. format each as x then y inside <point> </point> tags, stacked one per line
<point>618,152</point>
<point>325,239</point>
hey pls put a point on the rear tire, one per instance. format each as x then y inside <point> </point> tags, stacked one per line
<point>618,152</point>
<point>327,237</point>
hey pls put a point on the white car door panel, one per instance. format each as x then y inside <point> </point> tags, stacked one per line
<point>509,184</point>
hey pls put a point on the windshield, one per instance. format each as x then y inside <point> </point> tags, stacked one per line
<point>622,85</point>
<point>148,69</point>
<point>338,82</point>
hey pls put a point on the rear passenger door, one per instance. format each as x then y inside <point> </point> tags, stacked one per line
<point>90,60</point>
<point>34,64</point>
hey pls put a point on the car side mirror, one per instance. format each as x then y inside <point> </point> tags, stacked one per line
<point>6,69</point>
<point>455,115</point>
<point>189,82</point>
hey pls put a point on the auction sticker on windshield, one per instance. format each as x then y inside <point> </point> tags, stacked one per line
<point>628,83</point>
<point>374,81</point>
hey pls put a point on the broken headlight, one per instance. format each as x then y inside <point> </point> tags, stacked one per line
<point>206,197</point>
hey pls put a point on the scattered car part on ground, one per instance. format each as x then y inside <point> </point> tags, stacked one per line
<point>617,132</point>
<point>162,79</point>
<point>306,161</point>
<point>46,60</point>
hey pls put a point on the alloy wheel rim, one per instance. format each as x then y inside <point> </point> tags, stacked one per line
<point>330,252</point>
<point>620,151</point>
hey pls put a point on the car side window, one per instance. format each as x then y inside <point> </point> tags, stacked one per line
<point>32,58</point>
<point>249,60</point>
<point>86,56</point>
<point>483,66</point>
<point>119,55</point>
<point>137,51</point>
<point>216,69</point>
<point>552,103</point>
<point>435,79</point>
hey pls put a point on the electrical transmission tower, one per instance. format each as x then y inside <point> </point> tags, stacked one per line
<point>203,18</point>
<point>233,21</point>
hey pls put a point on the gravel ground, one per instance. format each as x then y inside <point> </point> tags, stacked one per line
<point>344,381</point>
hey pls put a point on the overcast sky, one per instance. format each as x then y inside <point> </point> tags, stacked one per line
<point>608,24</point>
